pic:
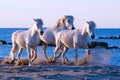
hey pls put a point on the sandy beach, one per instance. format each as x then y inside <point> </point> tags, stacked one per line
<point>58,71</point>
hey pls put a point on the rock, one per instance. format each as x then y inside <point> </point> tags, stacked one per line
<point>118,37</point>
<point>113,37</point>
<point>113,47</point>
<point>3,42</point>
<point>95,44</point>
<point>9,43</point>
<point>103,44</point>
<point>92,44</point>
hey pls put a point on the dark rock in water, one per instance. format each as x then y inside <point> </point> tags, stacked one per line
<point>96,44</point>
<point>103,37</point>
<point>113,47</point>
<point>118,37</point>
<point>113,37</point>
<point>92,44</point>
<point>9,43</point>
<point>103,44</point>
<point>3,42</point>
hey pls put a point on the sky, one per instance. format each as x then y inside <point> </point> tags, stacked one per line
<point>20,13</point>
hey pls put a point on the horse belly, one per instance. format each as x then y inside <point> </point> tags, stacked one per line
<point>67,41</point>
<point>21,42</point>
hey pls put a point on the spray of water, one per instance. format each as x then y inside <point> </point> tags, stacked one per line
<point>97,56</point>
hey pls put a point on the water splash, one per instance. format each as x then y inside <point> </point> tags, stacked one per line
<point>97,56</point>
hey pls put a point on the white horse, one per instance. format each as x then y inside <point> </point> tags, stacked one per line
<point>74,39</point>
<point>29,39</point>
<point>49,34</point>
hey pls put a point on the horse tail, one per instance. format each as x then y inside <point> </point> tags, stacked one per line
<point>14,46</point>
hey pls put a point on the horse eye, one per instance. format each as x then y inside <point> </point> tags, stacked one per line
<point>68,21</point>
<point>90,27</point>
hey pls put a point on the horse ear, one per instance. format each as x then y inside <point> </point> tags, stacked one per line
<point>87,22</point>
<point>63,19</point>
<point>34,19</point>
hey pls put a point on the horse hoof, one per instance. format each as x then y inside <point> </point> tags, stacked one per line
<point>63,63</point>
<point>66,60</point>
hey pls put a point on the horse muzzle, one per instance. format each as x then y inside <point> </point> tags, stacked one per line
<point>73,28</point>
<point>92,36</point>
<point>41,32</point>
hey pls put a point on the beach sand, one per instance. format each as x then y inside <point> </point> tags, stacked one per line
<point>58,71</point>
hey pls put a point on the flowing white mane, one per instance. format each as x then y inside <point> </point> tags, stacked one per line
<point>60,22</point>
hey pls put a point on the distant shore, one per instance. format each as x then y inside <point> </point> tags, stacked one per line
<point>59,72</point>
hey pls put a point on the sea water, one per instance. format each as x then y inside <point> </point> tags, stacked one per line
<point>6,33</point>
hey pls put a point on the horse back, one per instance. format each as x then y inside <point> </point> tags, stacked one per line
<point>19,37</point>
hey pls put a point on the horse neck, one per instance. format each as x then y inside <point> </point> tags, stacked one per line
<point>83,32</point>
<point>33,29</point>
<point>59,28</point>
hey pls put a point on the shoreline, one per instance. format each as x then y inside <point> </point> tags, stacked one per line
<point>58,71</point>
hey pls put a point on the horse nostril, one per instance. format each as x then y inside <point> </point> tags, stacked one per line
<point>41,32</point>
<point>73,28</point>
<point>92,36</point>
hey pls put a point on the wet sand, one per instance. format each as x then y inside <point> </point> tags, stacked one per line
<point>59,72</point>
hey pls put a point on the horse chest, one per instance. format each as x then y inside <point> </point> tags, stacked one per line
<point>81,42</point>
<point>33,40</point>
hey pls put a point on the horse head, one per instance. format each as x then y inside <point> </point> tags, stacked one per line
<point>65,23</point>
<point>90,28</point>
<point>68,22</point>
<point>39,24</point>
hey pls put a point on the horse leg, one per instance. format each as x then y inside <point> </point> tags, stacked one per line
<point>55,51</point>
<point>34,54</point>
<point>19,52</point>
<point>29,55</point>
<point>87,54</point>
<point>44,51</point>
<point>61,50</point>
<point>13,50</point>
<point>63,54</point>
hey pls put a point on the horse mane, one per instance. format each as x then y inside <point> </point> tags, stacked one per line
<point>60,22</point>
<point>57,24</point>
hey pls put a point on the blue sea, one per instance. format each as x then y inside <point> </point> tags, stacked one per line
<point>6,33</point>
